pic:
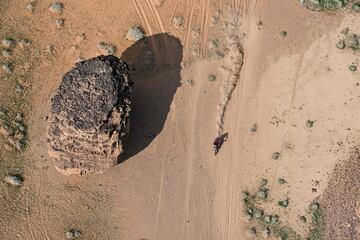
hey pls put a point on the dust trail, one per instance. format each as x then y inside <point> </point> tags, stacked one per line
<point>233,61</point>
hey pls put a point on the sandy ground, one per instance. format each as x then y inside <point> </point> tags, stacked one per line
<point>169,184</point>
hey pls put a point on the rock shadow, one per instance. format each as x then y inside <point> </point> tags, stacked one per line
<point>155,65</point>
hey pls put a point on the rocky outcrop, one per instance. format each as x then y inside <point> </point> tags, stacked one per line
<point>89,116</point>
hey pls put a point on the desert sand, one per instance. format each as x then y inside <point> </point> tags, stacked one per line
<point>266,73</point>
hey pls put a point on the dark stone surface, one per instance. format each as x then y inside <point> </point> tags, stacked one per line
<point>89,116</point>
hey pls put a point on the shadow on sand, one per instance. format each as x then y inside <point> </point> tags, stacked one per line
<point>155,65</point>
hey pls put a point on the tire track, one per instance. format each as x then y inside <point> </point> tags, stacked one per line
<point>143,17</point>
<point>159,199</point>
<point>188,29</point>
<point>152,7</point>
<point>205,14</point>
<point>190,162</point>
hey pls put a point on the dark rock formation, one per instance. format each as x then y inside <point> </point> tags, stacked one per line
<point>89,116</point>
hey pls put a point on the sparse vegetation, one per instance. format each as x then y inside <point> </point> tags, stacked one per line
<point>272,224</point>
<point>356,6</point>
<point>309,123</point>
<point>13,128</point>
<point>284,203</point>
<point>275,155</point>
<point>106,48</point>
<point>178,21</point>
<point>72,233</point>
<point>56,7</point>
<point>353,67</point>
<point>212,77</point>
<point>14,180</point>
<point>135,34</point>
<point>317,223</point>
<point>349,40</point>
<point>325,4</point>
<point>254,128</point>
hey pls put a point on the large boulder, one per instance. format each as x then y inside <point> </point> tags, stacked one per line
<point>89,116</point>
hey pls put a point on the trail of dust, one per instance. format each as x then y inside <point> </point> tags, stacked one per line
<point>232,66</point>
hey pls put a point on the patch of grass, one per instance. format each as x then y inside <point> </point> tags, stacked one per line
<point>356,6</point>
<point>349,40</point>
<point>325,4</point>
<point>272,222</point>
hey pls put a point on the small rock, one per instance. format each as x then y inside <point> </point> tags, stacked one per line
<point>134,34</point>
<point>15,180</point>
<point>7,68</point>
<point>56,7</point>
<point>72,233</point>
<point>303,219</point>
<point>284,203</point>
<point>178,21</point>
<point>314,206</point>
<point>283,33</point>
<point>309,123</point>
<point>259,23</point>
<point>251,232</point>
<point>254,128</point>
<point>281,181</point>
<point>59,22</point>
<point>211,77</point>
<point>353,68</point>
<point>106,49</point>
<point>24,43</point>
<point>8,42</point>
<point>275,155</point>
<point>6,52</point>
<point>190,82</point>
